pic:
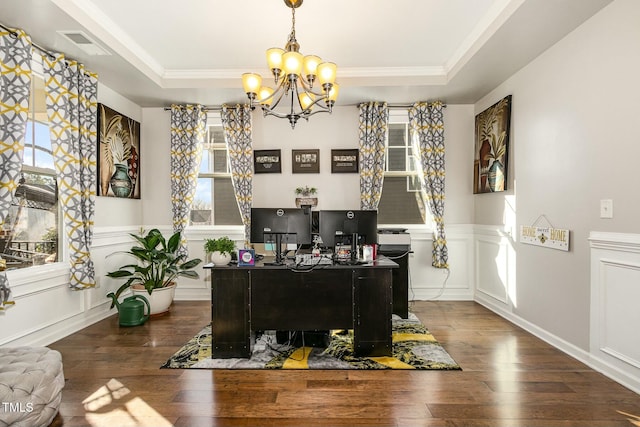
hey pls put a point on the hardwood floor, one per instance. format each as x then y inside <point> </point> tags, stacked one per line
<point>509,378</point>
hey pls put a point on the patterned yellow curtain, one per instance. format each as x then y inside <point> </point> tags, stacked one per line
<point>72,111</point>
<point>15,88</point>
<point>373,130</point>
<point>188,129</point>
<point>236,122</point>
<point>426,126</point>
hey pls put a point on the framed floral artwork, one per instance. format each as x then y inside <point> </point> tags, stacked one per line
<point>118,154</point>
<point>492,148</point>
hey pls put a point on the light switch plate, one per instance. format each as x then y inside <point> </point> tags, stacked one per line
<point>606,208</point>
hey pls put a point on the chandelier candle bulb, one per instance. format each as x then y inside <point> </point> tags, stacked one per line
<point>265,95</point>
<point>306,100</point>
<point>274,61</point>
<point>251,82</point>
<point>292,62</point>
<point>311,63</point>
<point>333,93</point>
<point>327,73</point>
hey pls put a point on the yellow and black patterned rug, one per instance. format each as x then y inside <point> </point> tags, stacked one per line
<point>413,348</point>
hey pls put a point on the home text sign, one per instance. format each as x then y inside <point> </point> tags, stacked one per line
<point>548,237</point>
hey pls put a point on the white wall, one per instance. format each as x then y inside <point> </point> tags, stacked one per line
<point>574,141</point>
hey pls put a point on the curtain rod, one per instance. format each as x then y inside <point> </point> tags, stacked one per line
<point>37,46</point>
<point>205,108</point>
<point>392,106</point>
<point>397,106</point>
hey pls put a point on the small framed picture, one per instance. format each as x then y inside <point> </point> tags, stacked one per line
<point>246,257</point>
<point>305,161</point>
<point>344,161</point>
<point>267,161</point>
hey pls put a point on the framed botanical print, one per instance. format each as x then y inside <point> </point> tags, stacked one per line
<point>305,161</point>
<point>118,154</point>
<point>492,148</point>
<point>344,161</point>
<point>267,161</point>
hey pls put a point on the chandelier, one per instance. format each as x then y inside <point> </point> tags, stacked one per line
<point>294,76</point>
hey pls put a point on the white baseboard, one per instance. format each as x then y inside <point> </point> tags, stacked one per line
<point>583,356</point>
<point>56,331</point>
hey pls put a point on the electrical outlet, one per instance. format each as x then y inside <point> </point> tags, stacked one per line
<point>606,208</point>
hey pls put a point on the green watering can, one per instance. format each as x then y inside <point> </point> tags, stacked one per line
<point>131,310</point>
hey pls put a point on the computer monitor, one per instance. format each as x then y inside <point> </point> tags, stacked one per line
<point>280,225</point>
<point>345,223</point>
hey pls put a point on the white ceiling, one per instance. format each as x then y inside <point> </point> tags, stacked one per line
<point>399,51</point>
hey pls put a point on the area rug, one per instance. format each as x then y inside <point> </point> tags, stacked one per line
<point>413,348</point>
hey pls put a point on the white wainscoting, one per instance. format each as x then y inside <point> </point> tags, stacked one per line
<point>46,309</point>
<point>494,267</point>
<point>200,289</point>
<point>615,298</point>
<point>429,283</point>
<point>615,305</point>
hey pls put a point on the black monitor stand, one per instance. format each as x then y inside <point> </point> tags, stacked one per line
<point>354,248</point>
<point>279,258</point>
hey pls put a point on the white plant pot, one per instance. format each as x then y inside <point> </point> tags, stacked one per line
<point>218,258</point>
<point>160,299</point>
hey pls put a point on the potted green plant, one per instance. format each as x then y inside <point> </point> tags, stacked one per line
<point>304,196</point>
<point>158,265</point>
<point>220,249</point>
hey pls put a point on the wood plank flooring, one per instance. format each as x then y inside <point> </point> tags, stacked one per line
<point>509,378</point>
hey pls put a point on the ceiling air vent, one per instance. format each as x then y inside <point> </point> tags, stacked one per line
<point>86,44</point>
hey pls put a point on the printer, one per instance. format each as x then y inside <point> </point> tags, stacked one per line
<point>394,240</point>
<point>395,243</point>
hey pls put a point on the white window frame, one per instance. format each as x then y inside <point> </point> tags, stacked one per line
<point>401,116</point>
<point>214,119</point>
<point>60,268</point>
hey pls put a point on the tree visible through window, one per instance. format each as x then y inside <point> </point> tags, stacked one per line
<point>29,235</point>
<point>215,202</point>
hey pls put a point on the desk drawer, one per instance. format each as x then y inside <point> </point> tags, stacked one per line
<point>286,300</point>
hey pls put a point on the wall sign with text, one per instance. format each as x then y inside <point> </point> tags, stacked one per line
<point>267,161</point>
<point>305,161</point>
<point>548,237</point>
<point>344,161</point>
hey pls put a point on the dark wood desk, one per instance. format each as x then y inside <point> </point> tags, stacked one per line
<point>245,299</point>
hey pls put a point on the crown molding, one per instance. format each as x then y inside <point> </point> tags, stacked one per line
<point>498,14</point>
<point>109,33</point>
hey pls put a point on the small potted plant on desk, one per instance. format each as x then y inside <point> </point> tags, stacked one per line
<point>158,265</point>
<point>304,196</point>
<point>220,250</point>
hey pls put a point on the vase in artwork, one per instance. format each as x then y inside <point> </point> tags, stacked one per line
<point>120,181</point>
<point>496,176</point>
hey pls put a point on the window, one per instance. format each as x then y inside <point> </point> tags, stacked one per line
<point>215,202</point>
<point>29,235</point>
<point>402,201</point>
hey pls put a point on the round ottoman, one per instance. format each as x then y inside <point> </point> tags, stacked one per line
<point>31,382</point>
